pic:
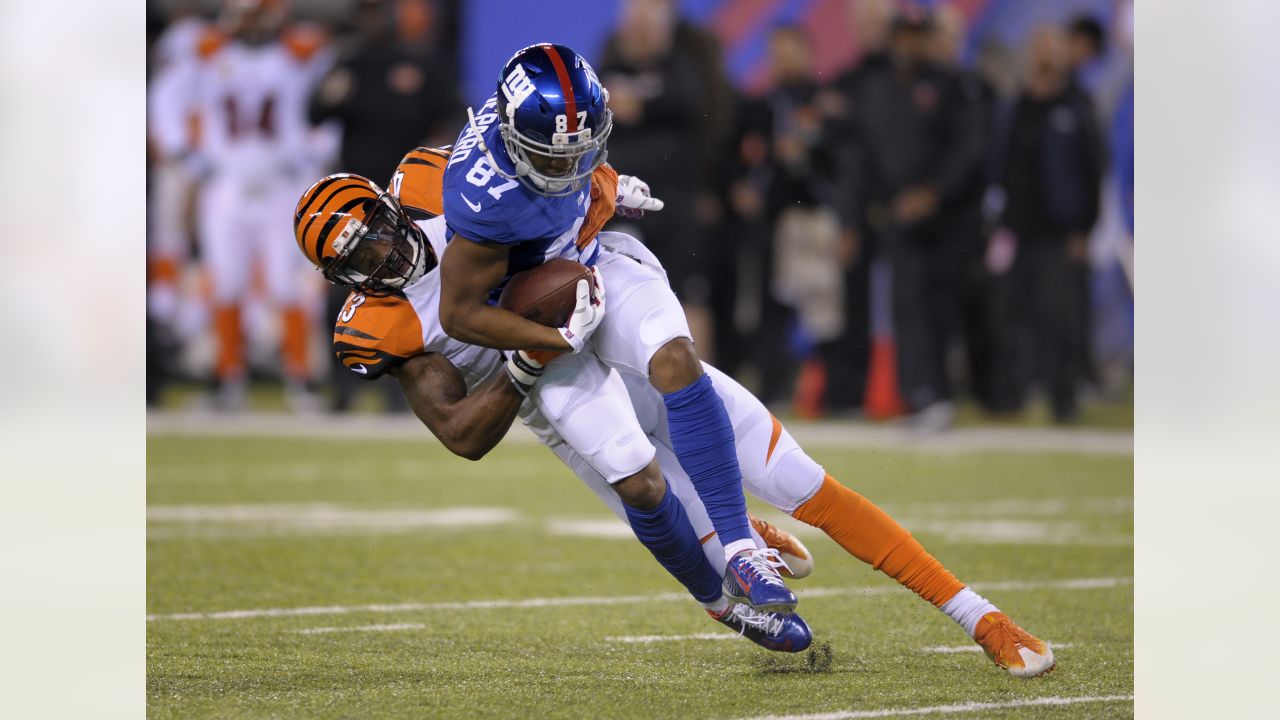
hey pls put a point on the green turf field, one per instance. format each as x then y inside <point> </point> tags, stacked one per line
<point>363,570</point>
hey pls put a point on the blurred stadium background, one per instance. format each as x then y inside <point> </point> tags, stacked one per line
<point>781,244</point>
<point>907,226</point>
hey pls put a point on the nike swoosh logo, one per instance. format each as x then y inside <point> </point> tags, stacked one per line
<point>360,369</point>
<point>475,207</point>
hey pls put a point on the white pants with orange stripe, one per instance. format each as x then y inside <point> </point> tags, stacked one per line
<point>774,467</point>
<point>600,404</point>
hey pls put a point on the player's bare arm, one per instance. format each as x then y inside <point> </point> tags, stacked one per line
<point>468,272</point>
<point>468,425</point>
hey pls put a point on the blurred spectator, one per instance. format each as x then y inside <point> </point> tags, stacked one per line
<point>391,94</point>
<point>916,147</point>
<point>1052,177</point>
<point>1086,46</point>
<point>389,91</point>
<point>249,88</point>
<point>787,179</point>
<point>664,80</point>
<point>966,217</point>
<point>846,356</point>
<point>171,137</point>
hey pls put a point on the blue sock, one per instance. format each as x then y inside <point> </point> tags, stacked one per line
<point>666,531</point>
<point>703,441</point>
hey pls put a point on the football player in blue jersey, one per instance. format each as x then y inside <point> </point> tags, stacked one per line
<point>517,188</point>
<point>384,246</point>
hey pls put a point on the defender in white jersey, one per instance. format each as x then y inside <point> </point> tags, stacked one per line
<point>463,396</point>
<point>249,88</point>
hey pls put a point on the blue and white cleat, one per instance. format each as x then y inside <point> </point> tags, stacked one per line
<point>769,630</point>
<point>752,578</point>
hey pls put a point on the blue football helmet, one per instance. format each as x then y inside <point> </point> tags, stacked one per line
<point>553,118</point>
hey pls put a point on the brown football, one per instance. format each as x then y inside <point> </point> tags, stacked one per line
<point>547,293</point>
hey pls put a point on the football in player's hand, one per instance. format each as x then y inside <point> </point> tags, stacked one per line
<point>547,293</point>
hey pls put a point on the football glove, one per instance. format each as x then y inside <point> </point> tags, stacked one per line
<point>587,313</point>
<point>634,199</point>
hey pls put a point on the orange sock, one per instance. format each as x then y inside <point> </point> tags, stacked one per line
<point>870,535</point>
<point>294,345</point>
<point>226,322</point>
<point>162,269</point>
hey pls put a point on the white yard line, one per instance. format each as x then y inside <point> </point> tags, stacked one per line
<point>817,434</point>
<point>1013,531</point>
<point>270,519</point>
<point>1077,584</point>
<point>1049,507</point>
<point>972,648</point>
<point>966,707</point>
<point>610,528</point>
<point>414,607</point>
<point>361,628</point>
<point>980,531</point>
<point>167,522</point>
<point>670,638</point>
<point>529,603</point>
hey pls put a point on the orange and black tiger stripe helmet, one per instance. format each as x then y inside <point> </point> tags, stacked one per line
<point>325,210</point>
<point>339,214</point>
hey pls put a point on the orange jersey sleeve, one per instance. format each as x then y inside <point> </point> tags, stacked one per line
<point>604,201</point>
<point>375,333</point>
<point>418,182</point>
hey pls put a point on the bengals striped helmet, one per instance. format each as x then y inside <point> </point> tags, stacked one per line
<point>358,235</point>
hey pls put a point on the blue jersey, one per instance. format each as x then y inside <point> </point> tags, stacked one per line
<point>485,207</point>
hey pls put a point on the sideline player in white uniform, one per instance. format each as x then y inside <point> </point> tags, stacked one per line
<point>171,132</point>
<point>517,191</point>
<point>370,241</point>
<point>249,89</point>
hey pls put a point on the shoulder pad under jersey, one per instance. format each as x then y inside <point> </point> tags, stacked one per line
<point>303,40</point>
<point>211,41</point>
<point>480,204</point>
<point>375,333</point>
<point>419,180</point>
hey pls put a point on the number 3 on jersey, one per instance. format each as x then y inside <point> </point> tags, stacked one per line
<point>350,311</point>
<point>482,172</point>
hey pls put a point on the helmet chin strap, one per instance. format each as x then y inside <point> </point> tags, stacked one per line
<point>522,167</point>
<point>419,264</point>
<point>421,252</point>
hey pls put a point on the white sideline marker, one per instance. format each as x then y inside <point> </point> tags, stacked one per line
<point>965,707</point>
<point>1075,584</point>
